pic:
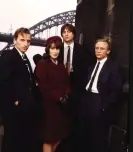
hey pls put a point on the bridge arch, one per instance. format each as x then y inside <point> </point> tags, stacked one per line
<point>48,23</point>
<point>56,20</point>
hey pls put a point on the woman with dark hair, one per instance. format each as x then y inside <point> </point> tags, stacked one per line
<point>54,86</point>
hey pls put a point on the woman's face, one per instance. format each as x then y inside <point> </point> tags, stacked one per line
<point>54,52</point>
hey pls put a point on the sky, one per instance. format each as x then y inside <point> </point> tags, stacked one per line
<point>15,14</point>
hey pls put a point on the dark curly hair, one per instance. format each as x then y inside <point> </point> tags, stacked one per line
<point>70,27</point>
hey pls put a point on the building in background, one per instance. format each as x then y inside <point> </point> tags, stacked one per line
<point>108,18</point>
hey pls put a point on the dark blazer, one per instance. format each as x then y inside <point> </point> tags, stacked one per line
<point>15,85</point>
<point>15,82</point>
<point>79,63</point>
<point>109,83</point>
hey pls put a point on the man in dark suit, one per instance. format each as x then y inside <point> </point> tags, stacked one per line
<point>103,90</point>
<point>17,89</point>
<point>73,56</point>
<point>74,59</point>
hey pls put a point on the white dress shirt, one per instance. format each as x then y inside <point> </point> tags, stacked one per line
<point>94,85</point>
<point>71,54</point>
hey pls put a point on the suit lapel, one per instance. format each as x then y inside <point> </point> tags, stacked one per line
<point>74,55</point>
<point>20,60</point>
<point>62,53</point>
<point>18,56</point>
<point>103,75</point>
<point>90,70</point>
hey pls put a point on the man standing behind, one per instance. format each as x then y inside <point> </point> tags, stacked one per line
<point>74,59</point>
<point>17,88</point>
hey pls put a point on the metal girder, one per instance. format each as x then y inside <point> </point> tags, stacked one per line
<point>56,20</point>
<point>8,46</point>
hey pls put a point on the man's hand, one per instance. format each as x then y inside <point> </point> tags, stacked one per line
<point>16,103</point>
<point>64,99</point>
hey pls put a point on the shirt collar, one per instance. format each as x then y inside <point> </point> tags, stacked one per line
<point>21,54</point>
<point>55,62</point>
<point>71,45</point>
<point>102,61</point>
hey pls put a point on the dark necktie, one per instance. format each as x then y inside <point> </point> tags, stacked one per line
<point>68,60</point>
<point>27,63</point>
<point>93,77</point>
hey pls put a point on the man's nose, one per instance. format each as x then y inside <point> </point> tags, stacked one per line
<point>25,43</point>
<point>98,50</point>
<point>66,33</point>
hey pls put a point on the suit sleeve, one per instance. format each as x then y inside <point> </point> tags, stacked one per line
<point>5,71</point>
<point>68,91</point>
<point>68,88</point>
<point>116,83</point>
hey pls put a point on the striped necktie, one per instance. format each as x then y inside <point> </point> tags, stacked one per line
<point>27,63</point>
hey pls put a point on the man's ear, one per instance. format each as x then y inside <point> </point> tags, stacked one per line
<point>14,41</point>
<point>108,52</point>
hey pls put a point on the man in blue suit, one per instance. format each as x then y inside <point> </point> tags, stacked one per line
<point>103,90</point>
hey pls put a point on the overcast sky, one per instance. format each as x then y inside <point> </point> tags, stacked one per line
<point>29,12</point>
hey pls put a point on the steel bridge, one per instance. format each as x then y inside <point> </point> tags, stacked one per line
<point>42,30</point>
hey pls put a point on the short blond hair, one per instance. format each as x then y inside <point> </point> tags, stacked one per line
<point>106,40</point>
